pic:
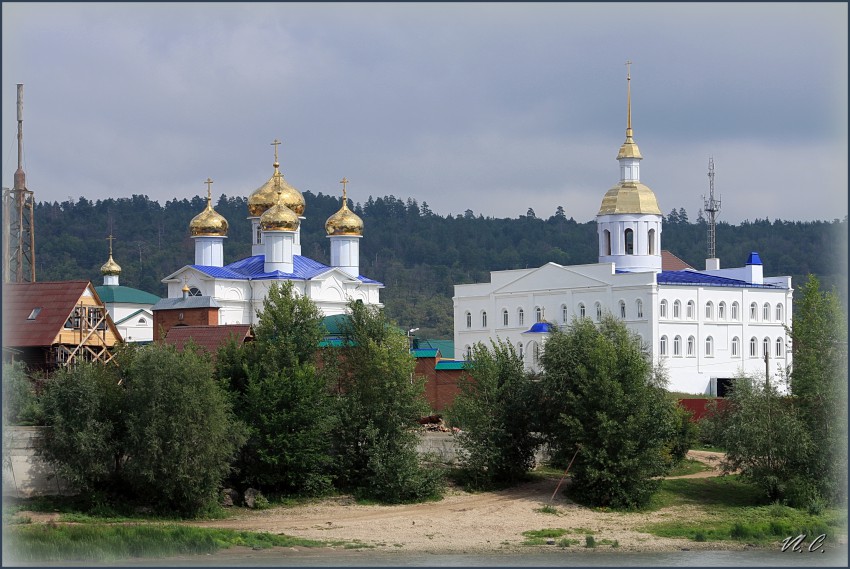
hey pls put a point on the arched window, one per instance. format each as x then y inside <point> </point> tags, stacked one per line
<point>630,242</point>
<point>142,321</point>
<point>259,235</point>
<point>765,347</point>
<point>709,310</point>
<point>779,312</point>
<point>639,304</point>
<point>765,313</point>
<point>194,291</point>
<point>581,311</point>
<point>520,351</point>
<point>538,314</point>
<point>780,347</point>
<point>721,311</point>
<point>709,346</point>
<point>484,319</point>
<point>564,314</point>
<point>736,346</point>
<point>651,241</point>
<point>467,353</point>
<point>662,309</point>
<point>754,353</point>
<point>598,312</point>
<point>520,315</point>
<point>677,309</point>
<point>754,312</point>
<point>677,346</point>
<point>469,320</point>
<point>734,311</point>
<point>505,317</point>
<point>690,310</point>
<point>691,347</point>
<point>606,242</point>
<point>662,347</point>
<point>623,309</point>
<point>535,353</point>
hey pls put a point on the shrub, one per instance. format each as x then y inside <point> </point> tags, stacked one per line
<point>21,405</point>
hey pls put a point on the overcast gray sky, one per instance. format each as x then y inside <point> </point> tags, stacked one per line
<point>490,107</point>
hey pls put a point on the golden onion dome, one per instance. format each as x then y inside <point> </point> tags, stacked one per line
<point>110,267</point>
<point>345,221</point>
<point>208,223</point>
<point>279,217</point>
<point>266,196</point>
<point>629,197</point>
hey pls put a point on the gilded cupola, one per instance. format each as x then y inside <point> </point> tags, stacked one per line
<point>344,221</point>
<point>279,217</point>
<point>266,196</point>
<point>208,223</point>
<point>110,267</point>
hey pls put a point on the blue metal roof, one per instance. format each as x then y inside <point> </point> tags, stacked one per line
<point>694,278</point>
<point>252,268</point>
<point>539,328</point>
<point>754,259</point>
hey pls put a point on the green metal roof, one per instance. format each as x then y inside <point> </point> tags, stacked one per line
<point>335,324</point>
<point>450,364</point>
<point>125,294</point>
<point>424,353</point>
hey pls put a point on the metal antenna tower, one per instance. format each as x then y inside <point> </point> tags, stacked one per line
<point>18,222</point>
<point>711,208</point>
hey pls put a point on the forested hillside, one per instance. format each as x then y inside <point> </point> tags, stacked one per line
<point>417,254</point>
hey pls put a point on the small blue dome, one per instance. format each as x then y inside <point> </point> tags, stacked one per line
<point>539,328</point>
<point>754,259</point>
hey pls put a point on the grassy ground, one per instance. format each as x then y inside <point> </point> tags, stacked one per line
<point>689,466</point>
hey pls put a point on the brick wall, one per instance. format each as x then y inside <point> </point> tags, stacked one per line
<point>164,320</point>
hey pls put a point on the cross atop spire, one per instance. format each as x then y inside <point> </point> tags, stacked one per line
<point>110,238</point>
<point>628,98</point>
<point>276,143</point>
<point>209,183</point>
<point>344,181</point>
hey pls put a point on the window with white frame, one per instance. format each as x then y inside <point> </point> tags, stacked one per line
<point>754,347</point>
<point>469,320</point>
<point>598,312</point>
<point>677,346</point>
<point>630,242</point>
<point>734,311</point>
<point>779,313</point>
<point>623,309</point>
<point>520,316</point>
<point>709,346</point>
<point>690,309</point>
<point>677,309</point>
<point>736,346</point>
<point>765,313</point>
<point>691,350</point>
<point>564,314</point>
<point>765,348</point>
<point>754,311</point>
<point>662,309</point>
<point>639,305</point>
<point>467,353</point>
<point>721,311</point>
<point>780,348</point>
<point>484,319</point>
<point>538,314</point>
<point>662,346</point>
<point>651,241</point>
<point>505,319</point>
<point>581,311</point>
<point>709,310</point>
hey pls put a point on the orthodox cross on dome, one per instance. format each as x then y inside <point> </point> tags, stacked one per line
<point>276,143</point>
<point>185,283</point>
<point>344,181</point>
<point>110,239</point>
<point>209,183</point>
<point>629,94</point>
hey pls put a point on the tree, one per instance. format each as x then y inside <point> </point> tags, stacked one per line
<point>601,397</point>
<point>496,411</point>
<point>683,215</point>
<point>560,213</point>
<point>764,438</point>
<point>180,433</point>
<point>20,402</point>
<point>377,408</point>
<point>819,384</point>
<point>530,214</point>
<point>285,401</point>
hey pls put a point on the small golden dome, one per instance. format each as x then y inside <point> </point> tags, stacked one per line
<point>208,223</point>
<point>629,197</point>
<point>265,196</point>
<point>279,217</point>
<point>345,221</point>
<point>629,149</point>
<point>110,267</point>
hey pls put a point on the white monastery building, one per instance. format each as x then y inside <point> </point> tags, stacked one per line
<point>237,289</point>
<point>706,327</point>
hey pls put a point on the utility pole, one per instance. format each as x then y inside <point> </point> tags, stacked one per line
<point>711,207</point>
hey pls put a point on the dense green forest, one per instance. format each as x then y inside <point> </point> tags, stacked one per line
<point>417,254</point>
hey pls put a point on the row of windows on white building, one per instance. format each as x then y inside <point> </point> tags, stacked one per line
<point>690,312</point>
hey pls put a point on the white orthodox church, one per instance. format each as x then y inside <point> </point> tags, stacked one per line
<point>706,326</point>
<point>237,289</point>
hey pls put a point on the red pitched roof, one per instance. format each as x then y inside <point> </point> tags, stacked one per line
<point>210,338</point>
<point>56,301</point>
<point>670,262</point>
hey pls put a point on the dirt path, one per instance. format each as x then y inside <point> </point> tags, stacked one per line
<point>709,458</point>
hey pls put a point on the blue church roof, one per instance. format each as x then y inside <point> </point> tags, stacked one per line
<point>694,278</point>
<point>539,328</point>
<point>754,259</point>
<point>251,268</point>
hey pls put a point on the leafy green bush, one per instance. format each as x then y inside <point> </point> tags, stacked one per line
<point>687,433</point>
<point>21,405</point>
